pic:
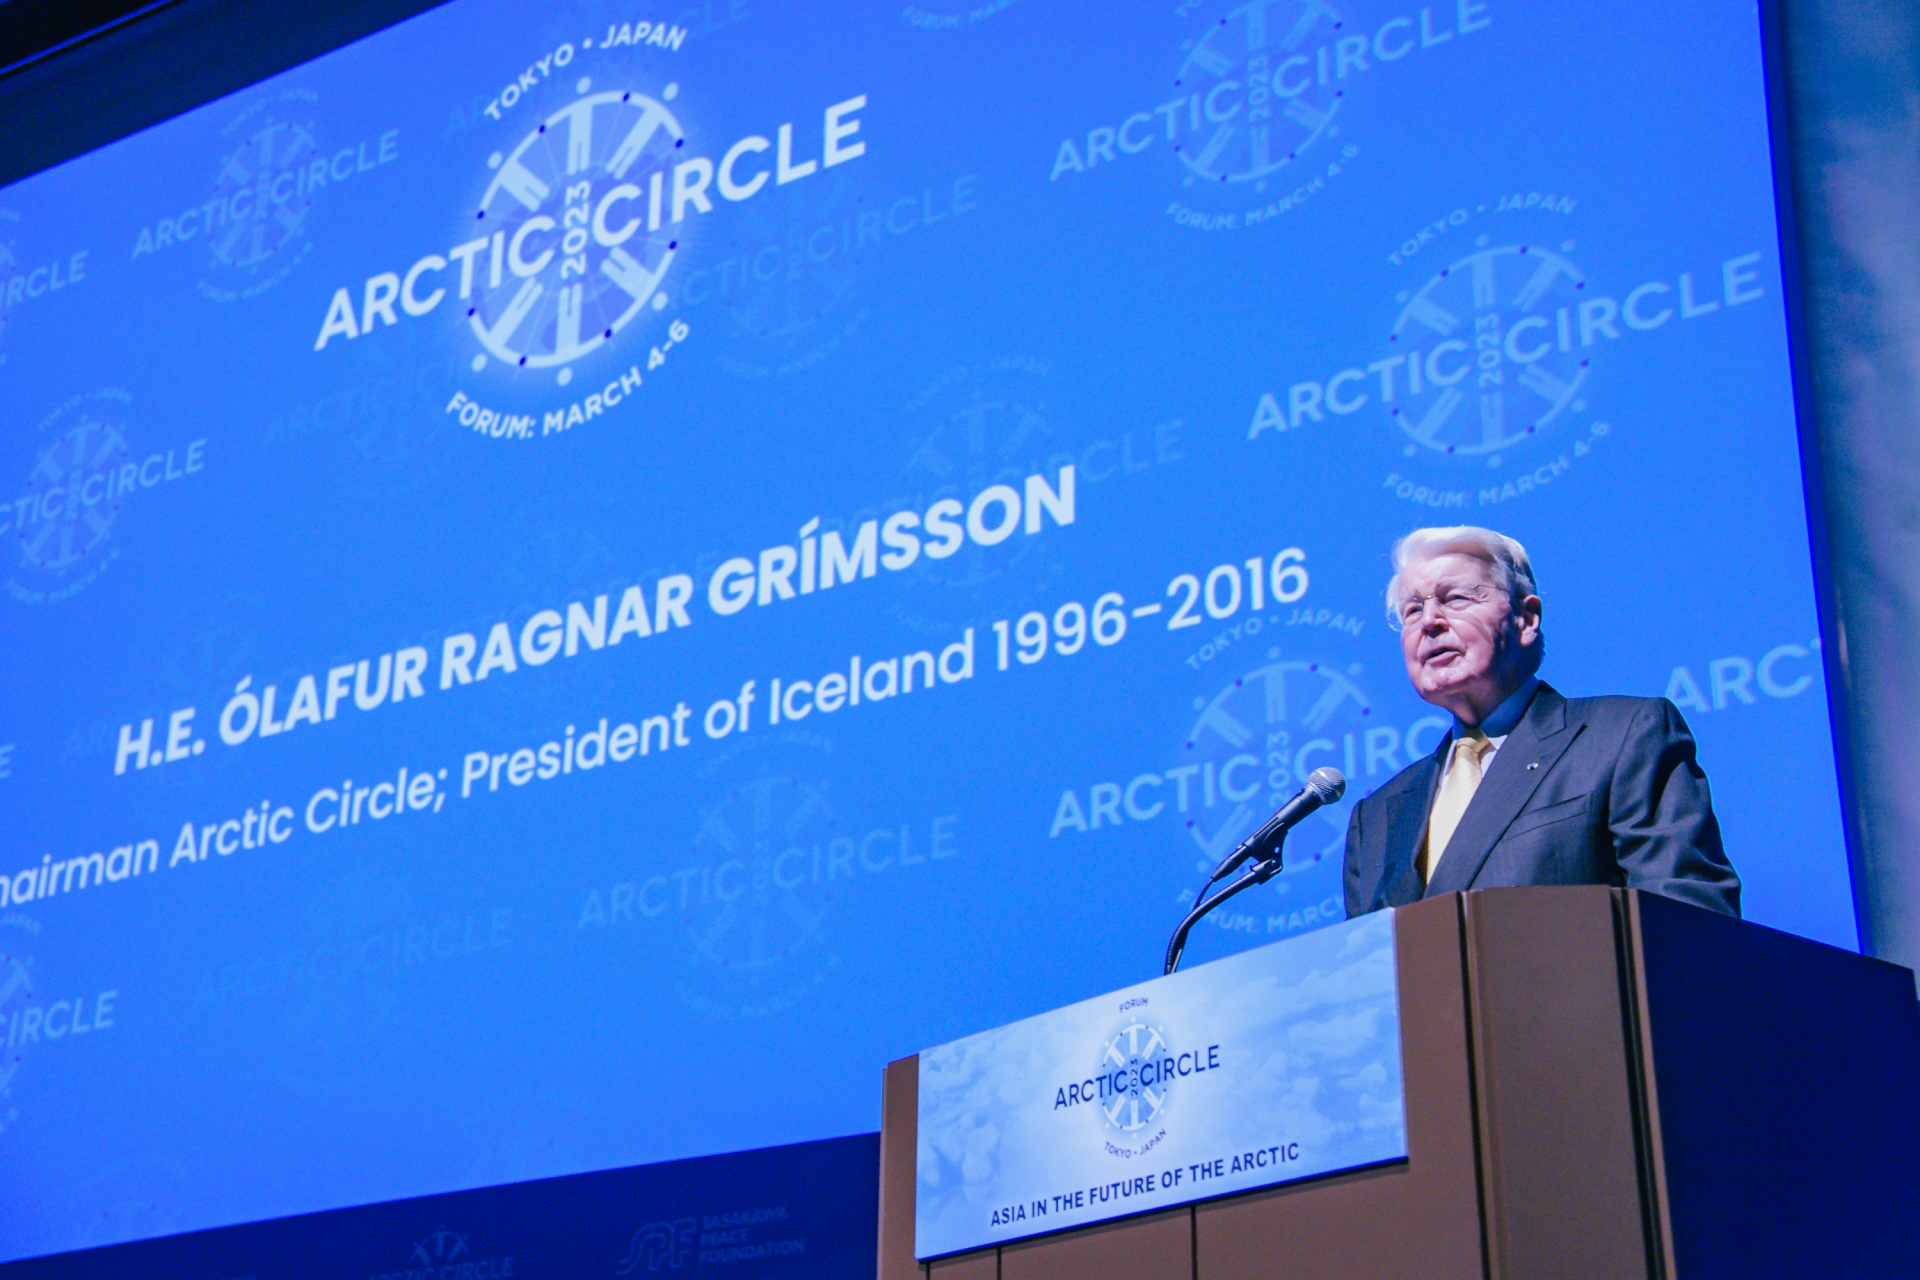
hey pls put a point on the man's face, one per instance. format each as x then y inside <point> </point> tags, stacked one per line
<point>1466,645</point>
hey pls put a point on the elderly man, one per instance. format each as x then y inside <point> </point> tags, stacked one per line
<point>1530,787</point>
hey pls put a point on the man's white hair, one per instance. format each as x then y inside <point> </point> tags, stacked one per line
<point>1511,567</point>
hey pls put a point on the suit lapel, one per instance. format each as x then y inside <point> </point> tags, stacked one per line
<point>1540,738</point>
<point>1406,822</point>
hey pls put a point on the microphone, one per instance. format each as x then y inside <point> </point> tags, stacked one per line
<point>1324,786</point>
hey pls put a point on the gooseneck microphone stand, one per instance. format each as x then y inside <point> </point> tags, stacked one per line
<point>1260,873</point>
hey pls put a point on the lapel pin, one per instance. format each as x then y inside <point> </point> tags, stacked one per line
<point>1534,765</point>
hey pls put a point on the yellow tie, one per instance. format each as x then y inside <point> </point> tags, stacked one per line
<point>1456,791</point>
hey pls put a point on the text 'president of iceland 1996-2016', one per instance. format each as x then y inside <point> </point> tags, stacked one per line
<point>1530,788</point>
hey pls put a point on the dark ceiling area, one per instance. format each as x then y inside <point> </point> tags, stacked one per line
<point>31,29</point>
<point>78,74</point>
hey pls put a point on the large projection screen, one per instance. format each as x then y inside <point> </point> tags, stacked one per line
<point>425,475</point>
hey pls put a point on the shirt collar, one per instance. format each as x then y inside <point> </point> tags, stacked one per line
<point>1501,720</point>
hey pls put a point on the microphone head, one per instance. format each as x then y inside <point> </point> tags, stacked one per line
<point>1327,784</point>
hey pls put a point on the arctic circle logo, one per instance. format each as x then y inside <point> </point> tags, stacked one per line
<point>16,995</point>
<point>1504,314</point>
<point>256,222</point>
<point>575,245</point>
<point>84,472</point>
<point>1257,739</point>
<point>1254,104</point>
<point>1132,1082</point>
<point>570,242</point>
<point>1254,100</point>
<point>1500,369</point>
<point>63,526</point>
<point>1136,1086</point>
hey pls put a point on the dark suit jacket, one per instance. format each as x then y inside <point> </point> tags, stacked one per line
<point>1583,791</point>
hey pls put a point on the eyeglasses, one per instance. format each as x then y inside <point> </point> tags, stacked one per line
<point>1448,602</point>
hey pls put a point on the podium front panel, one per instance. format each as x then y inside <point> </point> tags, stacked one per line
<point>1417,1218</point>
<point>1276,1064</point>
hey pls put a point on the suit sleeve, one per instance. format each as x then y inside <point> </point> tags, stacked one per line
<point>1356,904</point>
<point>1665,836</point>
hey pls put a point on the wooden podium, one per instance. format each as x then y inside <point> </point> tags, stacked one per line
<point>1599,1083</point>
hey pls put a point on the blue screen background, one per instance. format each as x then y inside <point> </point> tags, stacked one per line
<point>1056,240</point>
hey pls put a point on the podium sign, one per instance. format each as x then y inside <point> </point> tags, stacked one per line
<point>1273,1065</point>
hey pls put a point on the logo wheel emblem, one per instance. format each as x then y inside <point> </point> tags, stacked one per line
<point>579,238</point>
